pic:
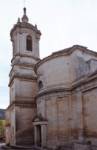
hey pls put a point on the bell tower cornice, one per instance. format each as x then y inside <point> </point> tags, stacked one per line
<point>21,25</point>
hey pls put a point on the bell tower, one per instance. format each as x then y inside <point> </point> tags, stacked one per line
<point>23,80</point>
<point>25,38</point>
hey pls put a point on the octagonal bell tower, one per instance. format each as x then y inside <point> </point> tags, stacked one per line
<point>23,86</point>
<point>25,39</point>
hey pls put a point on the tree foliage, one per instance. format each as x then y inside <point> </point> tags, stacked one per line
<point>2,127</point>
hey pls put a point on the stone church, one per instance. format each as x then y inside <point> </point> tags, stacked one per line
<point>53,101</point>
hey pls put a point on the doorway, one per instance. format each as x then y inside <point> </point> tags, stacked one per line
<point>40,132</point>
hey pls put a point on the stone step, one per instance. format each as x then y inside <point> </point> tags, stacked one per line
<point>25,141</point>
<point>74,146</point>
<point>25,137</point>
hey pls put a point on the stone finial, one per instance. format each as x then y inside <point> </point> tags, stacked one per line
<point>18,20</point>
<point>25,18</point>
<point>36,26</point>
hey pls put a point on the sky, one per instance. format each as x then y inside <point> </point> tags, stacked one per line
<point>63,23</point>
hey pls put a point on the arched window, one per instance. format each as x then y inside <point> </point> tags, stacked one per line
<point>40,85</point>
<point>29,43</point>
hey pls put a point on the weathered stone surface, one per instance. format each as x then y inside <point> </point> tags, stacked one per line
<point>78,146</point>
<point>56,96</point>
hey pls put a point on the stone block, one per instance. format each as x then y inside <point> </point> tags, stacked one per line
<point>80,146</point>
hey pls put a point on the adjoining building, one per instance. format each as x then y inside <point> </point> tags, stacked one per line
<point>53,101</point>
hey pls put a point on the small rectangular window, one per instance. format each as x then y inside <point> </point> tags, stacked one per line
<point>29,43</point>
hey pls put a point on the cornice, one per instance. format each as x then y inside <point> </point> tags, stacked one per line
<point>24,25</point>
<point>25,55</point>
<point>54,90</point>
<point>23,104</point>
<point>24,65</point>
<point>22,77</point>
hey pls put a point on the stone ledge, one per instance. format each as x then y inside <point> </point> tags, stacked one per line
<point>23,104</point>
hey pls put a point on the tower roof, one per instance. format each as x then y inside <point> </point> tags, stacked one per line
<point>24,23</point>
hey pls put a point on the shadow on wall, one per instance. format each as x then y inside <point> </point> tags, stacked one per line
<point>85,67</point>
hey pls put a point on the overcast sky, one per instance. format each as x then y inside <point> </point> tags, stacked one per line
<point>63,23</point>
